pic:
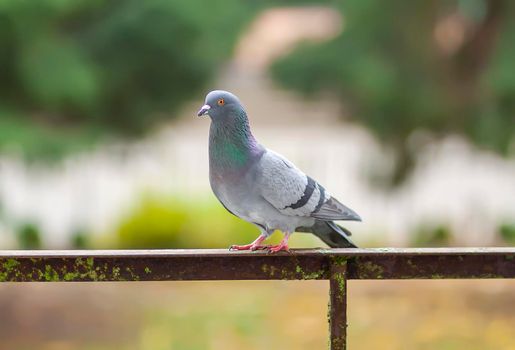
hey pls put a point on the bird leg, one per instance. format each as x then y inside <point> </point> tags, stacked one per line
<point>281,246</point>
<point>256,245</point>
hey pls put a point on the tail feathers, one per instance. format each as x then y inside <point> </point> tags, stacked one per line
<point>335,236</point>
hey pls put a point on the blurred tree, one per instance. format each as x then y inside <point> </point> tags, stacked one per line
<point>80,239</point>
<point>507,232</point>
<point>430,235</point>
<point>95,67</point>
<point>29,236</point>
<point>437,65</point>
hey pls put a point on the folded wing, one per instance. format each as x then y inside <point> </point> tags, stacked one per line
<point>294,193</point>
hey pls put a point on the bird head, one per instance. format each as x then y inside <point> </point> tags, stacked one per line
<point>219,104</point>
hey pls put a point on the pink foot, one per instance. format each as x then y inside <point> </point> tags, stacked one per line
<point>279,247</point>
<point>251,246</point>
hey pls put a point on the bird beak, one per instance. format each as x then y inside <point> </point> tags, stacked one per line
<point>204,110</point>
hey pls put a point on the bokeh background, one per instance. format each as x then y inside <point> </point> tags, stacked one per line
<point>405,110</point>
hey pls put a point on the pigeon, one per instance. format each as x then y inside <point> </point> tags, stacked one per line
<point>262,187</point>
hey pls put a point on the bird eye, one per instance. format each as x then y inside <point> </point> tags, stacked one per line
<point>221,102</point>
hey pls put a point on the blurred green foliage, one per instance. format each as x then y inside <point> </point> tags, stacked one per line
<point>438,65</point>
<point>28,236</point>
<point>507,233</point>
<point>71,71</point>
<point>432,236</point>
<point>80,239</point>
<point>159,222</point>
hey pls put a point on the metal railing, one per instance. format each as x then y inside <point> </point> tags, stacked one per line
<point>336,265</point>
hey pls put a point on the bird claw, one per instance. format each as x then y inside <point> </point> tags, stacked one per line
<point>251,247</point>
<point>256,245</point>
<point>278,248</point>
<point>260,247</point>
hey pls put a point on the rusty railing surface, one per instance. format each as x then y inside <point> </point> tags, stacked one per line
<point>336,265</point>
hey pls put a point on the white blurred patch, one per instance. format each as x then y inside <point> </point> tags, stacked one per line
<point>277,31</point>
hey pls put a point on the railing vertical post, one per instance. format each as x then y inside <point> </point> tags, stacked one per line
<point>338,304</point>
